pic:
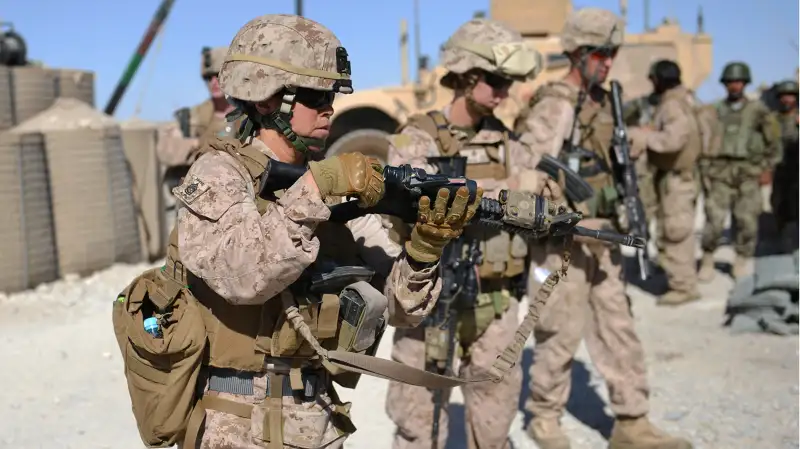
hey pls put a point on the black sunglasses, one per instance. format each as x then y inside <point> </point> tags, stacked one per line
<point>497,82</point>
<point>314,99</point>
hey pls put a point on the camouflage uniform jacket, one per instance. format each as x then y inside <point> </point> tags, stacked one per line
<point>413,146</point>
<point>174,149</point>
<point>248,258</point>
<point>676,131</point>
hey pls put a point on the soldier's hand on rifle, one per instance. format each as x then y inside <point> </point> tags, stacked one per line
<point>436,226</point>
<point>350,174</point>
<point>553,191</point>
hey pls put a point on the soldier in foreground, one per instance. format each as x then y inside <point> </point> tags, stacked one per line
<point>591,303</point>
<point>673,145</point>
<point>750,146</point>
<point>486,320</point>
<point>254,302</point>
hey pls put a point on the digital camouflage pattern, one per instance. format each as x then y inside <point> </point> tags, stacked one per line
<point>278,50</point>
<point>212,59</point>
<point>248,258</point>
<point>592,27</point>
<point>594,279</point>
<point>489,407</point>
<point>487,45</point>
<point>488,415</point>
<point>676,133</point>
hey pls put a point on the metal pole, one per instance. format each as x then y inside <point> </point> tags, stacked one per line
<point>298,7</point>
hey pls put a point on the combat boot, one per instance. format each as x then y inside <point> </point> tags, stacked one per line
<point>707,270</point>
<point>676,298</point>
<point>547,434</point>
<point>740,267</point>
<point>640,433</point>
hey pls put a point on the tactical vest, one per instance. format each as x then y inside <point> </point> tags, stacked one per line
<point>596,129</point>
<point>741,139</point>
<point>504,256</point>
<point>686,158</point>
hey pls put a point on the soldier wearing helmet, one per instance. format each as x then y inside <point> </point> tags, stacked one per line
<point>784,198</point>
<point>246,311</point>
<point>179,142</point>
<point>482,58</point>
<point>732,176</point>
<point>673,144</point>
<point>590,38</point>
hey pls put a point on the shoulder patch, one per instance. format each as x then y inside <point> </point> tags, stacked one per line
<point>190,189</point>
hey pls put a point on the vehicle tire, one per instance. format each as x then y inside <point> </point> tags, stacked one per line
<point>370,142</point>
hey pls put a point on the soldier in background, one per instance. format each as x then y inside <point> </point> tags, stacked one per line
<point>673,144</point>
<point>784,199</point>
<point>178,143</point>
<point>750,146</point>
<point>591,302</point>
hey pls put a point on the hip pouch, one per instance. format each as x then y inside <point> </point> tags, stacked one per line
<point>161,369</point>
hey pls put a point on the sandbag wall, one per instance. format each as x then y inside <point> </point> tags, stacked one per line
<point>139,138</point>
<point>27,234</point>
<point>90,183</point>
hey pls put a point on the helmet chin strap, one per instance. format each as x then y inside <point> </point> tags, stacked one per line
<point>280,120</point>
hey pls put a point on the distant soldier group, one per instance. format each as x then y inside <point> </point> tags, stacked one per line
<point>253,311</point>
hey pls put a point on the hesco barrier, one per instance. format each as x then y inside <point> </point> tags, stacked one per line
<point>90,181</point>
<point>27,235</point>
<point>139,139</point>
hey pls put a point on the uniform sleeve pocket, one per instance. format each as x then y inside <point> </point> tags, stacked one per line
<point>211,199</point>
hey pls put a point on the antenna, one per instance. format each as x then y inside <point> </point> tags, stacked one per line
<point>298,7</point>
<point>647,15</point>
<point>417,52</point>
<point>404,51</point>
<point>623,10</point>
<point>700,20</point>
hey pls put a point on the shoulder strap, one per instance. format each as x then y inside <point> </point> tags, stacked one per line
<point>391,370</point>
<point>435,125</point>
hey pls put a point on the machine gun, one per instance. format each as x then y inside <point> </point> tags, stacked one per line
<point>625,178</point>
<point>523,213</point>
<point>459,291</point>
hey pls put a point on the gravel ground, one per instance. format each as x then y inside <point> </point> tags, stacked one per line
<point>64,387</point>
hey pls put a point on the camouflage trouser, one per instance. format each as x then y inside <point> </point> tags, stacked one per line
<point>306,422</point>
<point>489,407</point>
<point>589,303</point>
<point>677,193</point>
<point>647,187</point>
<point>732,184</point>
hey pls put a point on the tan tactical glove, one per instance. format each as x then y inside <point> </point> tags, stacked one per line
<point>436,227</point>
<point>350,174</point>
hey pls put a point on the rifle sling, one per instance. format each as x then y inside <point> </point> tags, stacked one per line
<point>391,370</point>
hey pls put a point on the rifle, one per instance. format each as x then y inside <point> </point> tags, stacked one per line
<point>182,116</point>
<point>625,178</point>
<point>459,291</point>
<point>531,216</point>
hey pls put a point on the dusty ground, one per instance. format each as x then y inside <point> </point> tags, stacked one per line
<point>63,385</point>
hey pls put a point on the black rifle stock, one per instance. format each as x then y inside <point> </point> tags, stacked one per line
<point>459,290</point>
<point>405,185</point>
<point>626,180</point>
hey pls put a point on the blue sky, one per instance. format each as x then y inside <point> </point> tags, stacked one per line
<point>101,35</point>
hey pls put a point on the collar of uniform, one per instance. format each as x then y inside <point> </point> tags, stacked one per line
<point>486,134</point>
<point>262,147</point>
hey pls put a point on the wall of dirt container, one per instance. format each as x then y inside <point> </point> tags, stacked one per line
<point>28,90</point>
<point>139,139</point>
<point>27,234</point>
<point>24,92</point>
<point>90,182</point>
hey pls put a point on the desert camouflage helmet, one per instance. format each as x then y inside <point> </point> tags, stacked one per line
<point>211,60</point>
<point>491,46</point>
<point>278,50</point>
<point>592,27</point>
<point>787,87</point>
